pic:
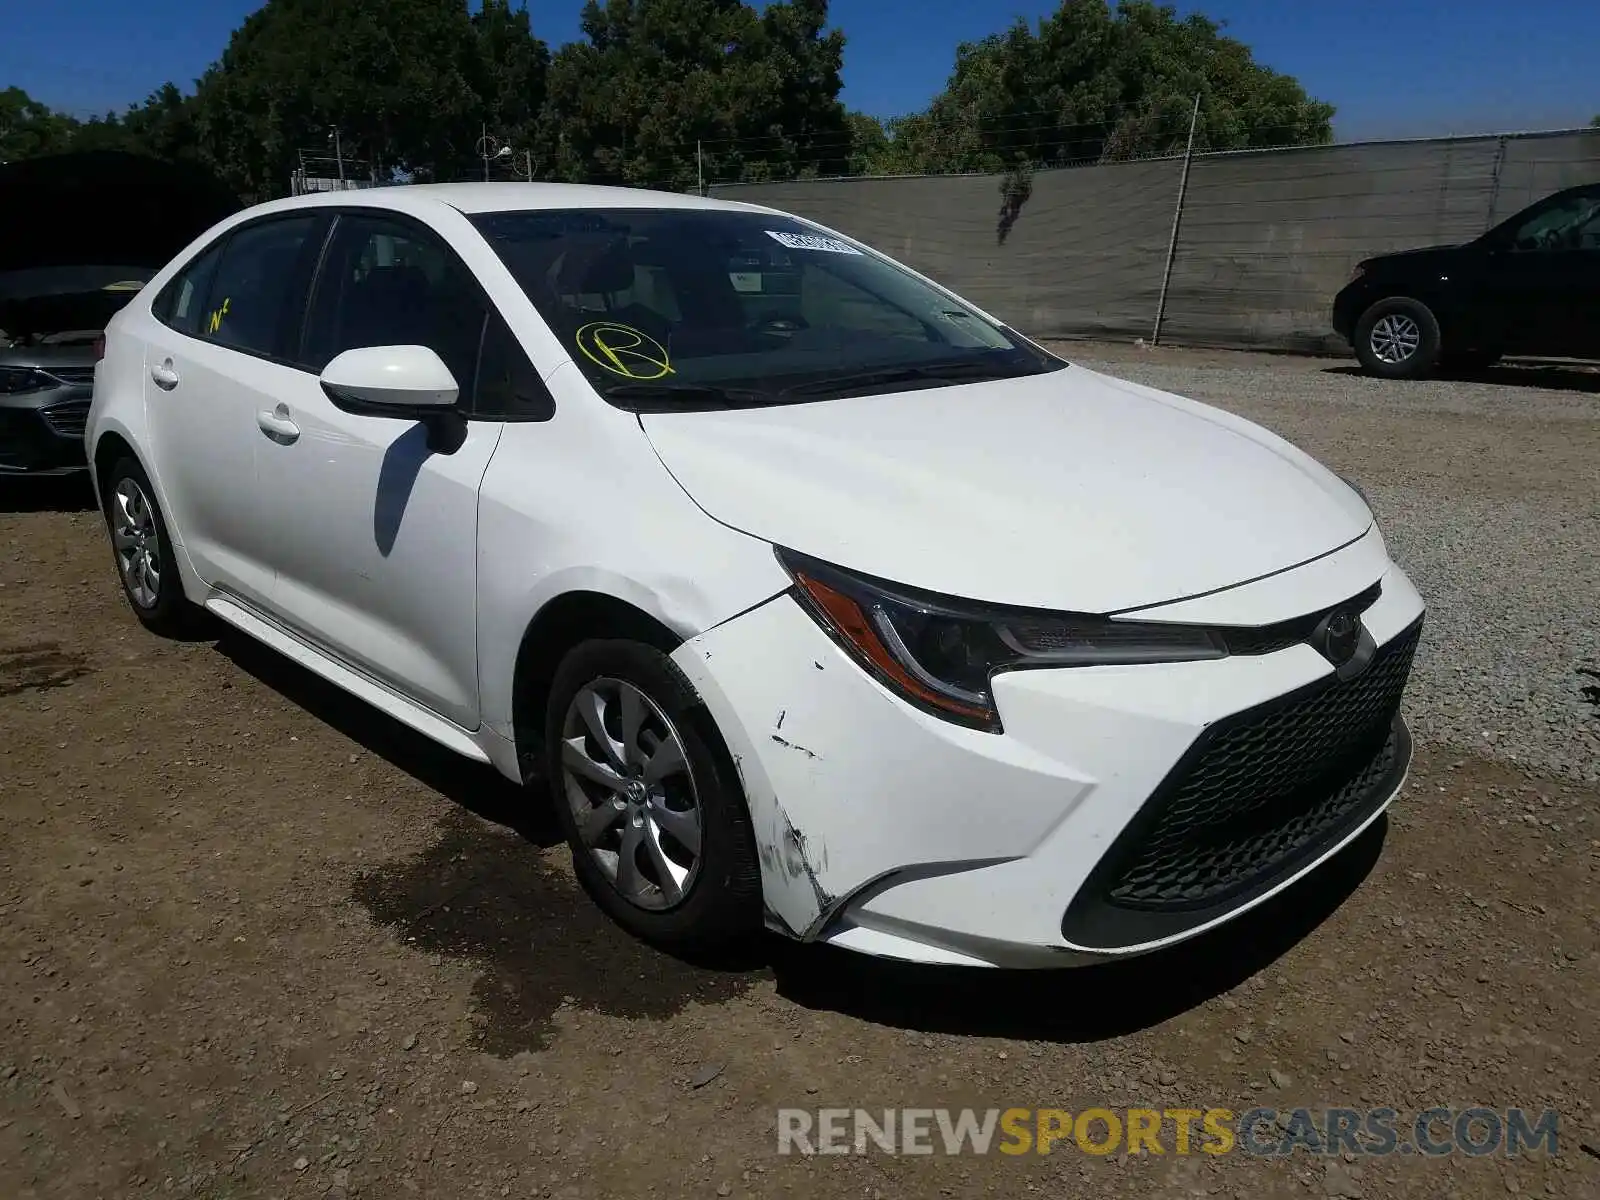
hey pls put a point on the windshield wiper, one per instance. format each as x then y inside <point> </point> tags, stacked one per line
<point>694,393</point>
<point>954,372</point>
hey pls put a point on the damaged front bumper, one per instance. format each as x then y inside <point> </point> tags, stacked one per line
<point>887,830</point>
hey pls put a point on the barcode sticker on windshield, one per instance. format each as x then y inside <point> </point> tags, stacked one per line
<point>806,241</point>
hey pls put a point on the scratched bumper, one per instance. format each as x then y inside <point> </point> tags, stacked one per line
<point>886,830</point>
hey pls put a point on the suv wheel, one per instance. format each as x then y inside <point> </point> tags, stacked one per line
<point>1398,338</point>
<point>649,799</point>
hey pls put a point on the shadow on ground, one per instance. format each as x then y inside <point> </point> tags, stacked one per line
<point>1545,376</point>
<point>46,493</point>
<point>488,891</point>
<point>477,788</point>
<point>483,893</point>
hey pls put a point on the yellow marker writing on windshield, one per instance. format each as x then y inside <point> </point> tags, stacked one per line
<point>623,350</point>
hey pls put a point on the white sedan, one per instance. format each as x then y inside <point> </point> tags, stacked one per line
<point>817,596</point>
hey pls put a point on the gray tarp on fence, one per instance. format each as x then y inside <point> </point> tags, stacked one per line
<point>1266,238</point>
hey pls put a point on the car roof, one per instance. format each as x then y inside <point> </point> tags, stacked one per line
<point>492,197</point>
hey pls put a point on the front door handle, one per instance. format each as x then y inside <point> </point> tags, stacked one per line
<point>277,425</point>
<point>164,376</point>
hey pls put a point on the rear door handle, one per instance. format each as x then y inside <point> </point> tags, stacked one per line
<point>277,425</point>
<point>164,376</point>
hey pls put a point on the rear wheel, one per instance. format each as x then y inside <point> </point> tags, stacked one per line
<point>143,550</point>
<point>649,799</point>
<point>1398,338</point>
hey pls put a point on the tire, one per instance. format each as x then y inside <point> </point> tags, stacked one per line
<point>139,535</point>
<point>710,901</point>
<point>1398,338</point>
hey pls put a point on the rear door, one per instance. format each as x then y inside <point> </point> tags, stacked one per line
<point>214,361</point>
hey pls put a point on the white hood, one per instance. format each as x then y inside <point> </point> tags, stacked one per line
<point>1068,490</point>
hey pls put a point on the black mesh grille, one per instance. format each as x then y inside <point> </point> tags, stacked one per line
<point>67,419</point>
<point>1265,786</point>
<point>1268,639</point>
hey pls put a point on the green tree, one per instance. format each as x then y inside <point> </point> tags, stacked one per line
<point>869,144</point>
<point>163,126</point>
<point>1097,83</point>
<point>1595,121</point>
<point>511,67</point>
<point>29,128</point>
<point>395,77</point>
<point>654,79</point>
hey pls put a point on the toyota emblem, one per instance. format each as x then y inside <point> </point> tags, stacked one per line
<point>1340,635</point>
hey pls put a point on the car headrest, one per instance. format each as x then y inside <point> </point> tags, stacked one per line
<point>595,268</point>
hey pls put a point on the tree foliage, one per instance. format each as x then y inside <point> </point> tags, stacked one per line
<point>1096,83</point>
<point>658,82</point>
<point>29,128</point>
<point>658,91</point>
<point>395,77</point>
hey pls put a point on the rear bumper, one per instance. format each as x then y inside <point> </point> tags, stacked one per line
<point>1122,810</point>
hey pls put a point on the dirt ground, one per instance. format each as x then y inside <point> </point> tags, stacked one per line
<point>257,941</point>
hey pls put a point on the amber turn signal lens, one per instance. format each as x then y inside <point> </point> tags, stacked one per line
<point>852,627</point>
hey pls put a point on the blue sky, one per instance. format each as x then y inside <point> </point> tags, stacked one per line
<point>1394,69</point>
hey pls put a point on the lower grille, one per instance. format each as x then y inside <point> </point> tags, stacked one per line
<point>67,419</point>
<point>1258,795</point>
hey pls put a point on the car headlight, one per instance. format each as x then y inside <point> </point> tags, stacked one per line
<point>1360,270</point>
<point>16,380</point>
<point>940,654</point>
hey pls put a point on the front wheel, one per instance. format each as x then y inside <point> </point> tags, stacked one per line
<point>1398,338</point>
<point>649,799</point>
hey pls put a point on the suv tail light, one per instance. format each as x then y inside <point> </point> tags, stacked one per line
<point>99,346</point>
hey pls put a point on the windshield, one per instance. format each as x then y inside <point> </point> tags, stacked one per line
<point>698,308</point>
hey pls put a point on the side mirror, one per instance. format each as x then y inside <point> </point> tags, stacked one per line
<point>391,381</point>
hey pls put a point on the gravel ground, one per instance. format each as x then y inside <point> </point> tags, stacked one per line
<point>257,941</point>
<point>1488,493</point>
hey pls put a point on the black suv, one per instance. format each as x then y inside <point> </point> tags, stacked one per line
<point>1531,286</point>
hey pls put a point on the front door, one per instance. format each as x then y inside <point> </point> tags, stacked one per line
<point>376,528</point>
<point>1541,279</point>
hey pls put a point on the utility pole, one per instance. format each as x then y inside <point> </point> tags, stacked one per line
<point>527,158</point>
<point>699,168</point>
<point>338,154</point>
<point>1177,219</point>
<point>483,143</point>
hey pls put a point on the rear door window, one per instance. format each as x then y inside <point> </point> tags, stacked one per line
<point>257,295</point>
<point>182,301</point>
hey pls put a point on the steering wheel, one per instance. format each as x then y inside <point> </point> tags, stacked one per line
<point>781,326</point>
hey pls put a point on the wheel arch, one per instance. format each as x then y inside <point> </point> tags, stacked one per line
<point>561,623</point>
<point>111,446</point>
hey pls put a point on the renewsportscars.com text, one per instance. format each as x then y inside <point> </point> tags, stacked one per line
<point>1265,1132</point>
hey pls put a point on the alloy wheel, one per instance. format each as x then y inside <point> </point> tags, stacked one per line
<point>1395,338</point>
<point>137,545</point>
<point>633,797</point>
